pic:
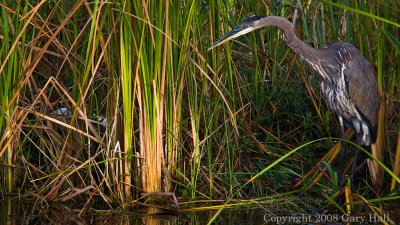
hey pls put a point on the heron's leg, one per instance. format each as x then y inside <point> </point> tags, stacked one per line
<point>353,168</point>
<point>342,154</point>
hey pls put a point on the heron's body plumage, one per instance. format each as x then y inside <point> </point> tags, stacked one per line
<point>349,87</point>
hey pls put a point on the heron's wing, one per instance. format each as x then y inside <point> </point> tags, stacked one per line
<point>361,85</point>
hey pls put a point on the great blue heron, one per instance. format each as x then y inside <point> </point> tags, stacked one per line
<point>348,83</point>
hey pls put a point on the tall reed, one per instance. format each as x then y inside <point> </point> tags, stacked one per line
<point>14,57</point>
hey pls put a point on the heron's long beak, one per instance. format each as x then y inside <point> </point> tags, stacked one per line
<point>236,32</point>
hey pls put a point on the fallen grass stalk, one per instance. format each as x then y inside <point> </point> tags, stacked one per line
<point>266,169</point>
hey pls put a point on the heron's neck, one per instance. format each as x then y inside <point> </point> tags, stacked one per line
<point>307,52</point>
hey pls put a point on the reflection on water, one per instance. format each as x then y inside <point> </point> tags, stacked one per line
<point>15,211</point>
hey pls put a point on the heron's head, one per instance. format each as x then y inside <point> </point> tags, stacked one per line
<point>247,25</point>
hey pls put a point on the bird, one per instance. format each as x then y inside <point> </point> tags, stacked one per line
<point>347,80</point>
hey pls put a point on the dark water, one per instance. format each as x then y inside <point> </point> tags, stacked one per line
<point>17,211</point>
<point>14,211</point>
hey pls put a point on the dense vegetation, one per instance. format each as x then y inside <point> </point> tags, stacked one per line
<point>102,101</point>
